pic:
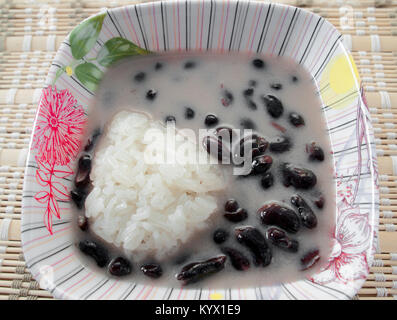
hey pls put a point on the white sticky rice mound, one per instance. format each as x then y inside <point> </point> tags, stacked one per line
<point>147,209</point>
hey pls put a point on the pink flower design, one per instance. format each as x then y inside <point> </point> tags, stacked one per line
<point>59,127</point>
<point>346,188</point>
<point>348,260</point>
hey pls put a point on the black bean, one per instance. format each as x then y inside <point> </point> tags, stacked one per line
<point>85,163</point>
<point>308,218</point>
<point>92,140</point>
<point>140,76</point>
<point>280,239</point>
<point>82,178</point>
<point>319,201</point>
<point>248,92</point>
<point>253,239</point>
<point>280,144</point>
<point>228,95</point>
<point>211,120</point>
<point>227,98</point>
<point>152,270</point>
<point>197,271</point>
<point>216,148</point>
<point>78,197</point>
<point>82,222</point>
<point>298,177</point>
<point>97,132</point>
<point>315,152</point>
<point>231,205</point>
<point>95,251</point>
<point>249,147</point>
<point>251,104</point>
<point>259,63</point>
<point>267,180</point>
<point>237,216</point>
<point>239,261</point>
<point>273,105</point>
<point>276,86</point>
<point>220,236</point>
<point>227,134</point>
<point>189,113</point>
<point>252,83</point>
<point>261,143</point>
<point>170,119</point>
<point>261,164</point>
<point>279,215</point>
<point>151,94</point>
<point>158,66</point>
<point>309,259</point>
<point>119,267</point>
<point>296,119</point>
<point>247,124</point>
<point>189,65</point>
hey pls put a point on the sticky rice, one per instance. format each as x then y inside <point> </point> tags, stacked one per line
<point>142,207</point>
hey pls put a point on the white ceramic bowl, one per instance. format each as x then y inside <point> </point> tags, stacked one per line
<point>47,236</point>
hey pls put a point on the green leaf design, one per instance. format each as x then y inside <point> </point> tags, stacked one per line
<point>82,39</point>
<point>116,49</point>
<point>89,75</point>
<point>59,72</point>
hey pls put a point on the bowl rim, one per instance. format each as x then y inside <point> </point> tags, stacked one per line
<point>353,285</point>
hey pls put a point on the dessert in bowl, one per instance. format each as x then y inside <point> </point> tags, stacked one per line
<point>272,200</point>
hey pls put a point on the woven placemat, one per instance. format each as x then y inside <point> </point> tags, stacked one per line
<point>31,32</point>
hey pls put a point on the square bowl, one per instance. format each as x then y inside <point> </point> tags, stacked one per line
<point>200,25</point>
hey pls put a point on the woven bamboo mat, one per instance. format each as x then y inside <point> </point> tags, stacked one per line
<point>31,32</point>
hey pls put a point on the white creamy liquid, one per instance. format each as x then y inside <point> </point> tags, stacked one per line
<point>200,88</point>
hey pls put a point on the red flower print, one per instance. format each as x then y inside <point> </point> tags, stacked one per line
<point>348,259</point>
<point>59,127</point>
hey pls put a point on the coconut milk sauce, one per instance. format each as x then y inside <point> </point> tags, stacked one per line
<point>201,87</point>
